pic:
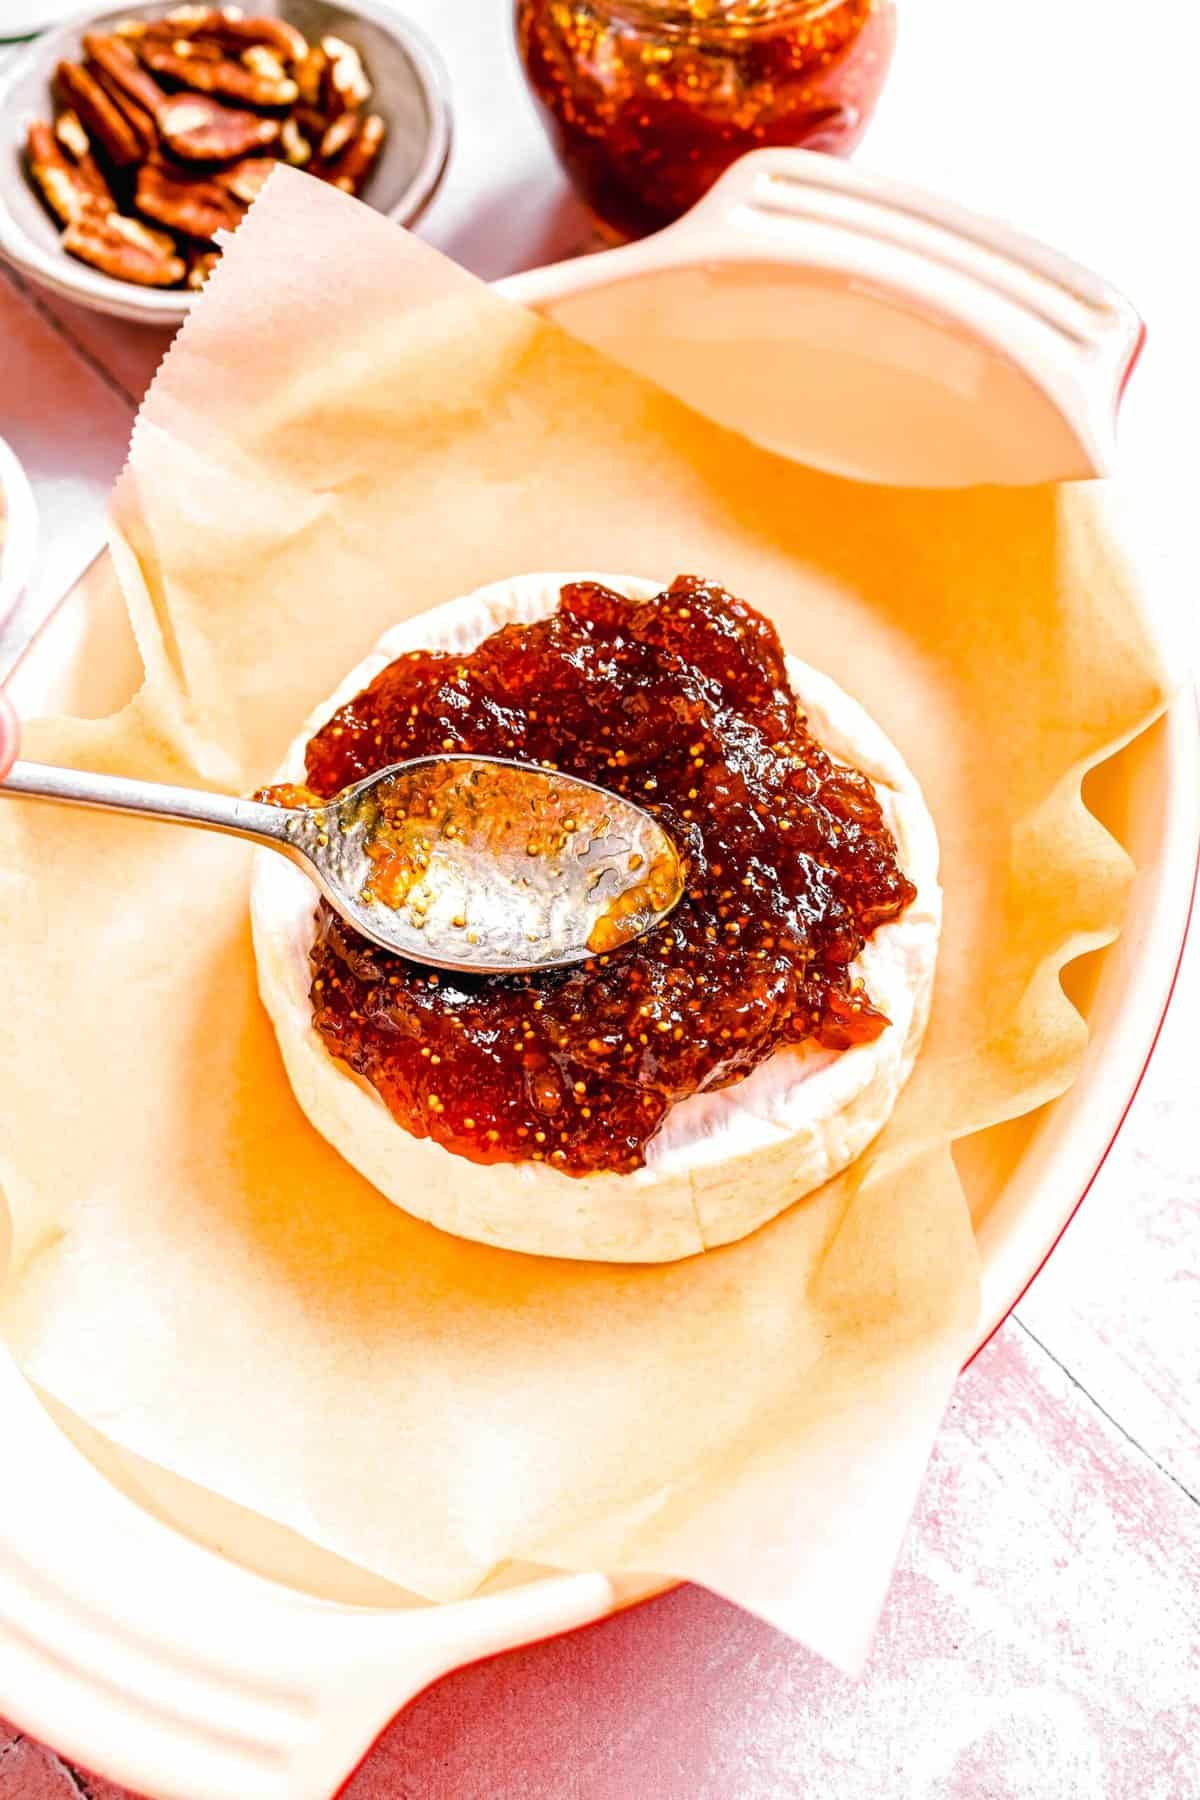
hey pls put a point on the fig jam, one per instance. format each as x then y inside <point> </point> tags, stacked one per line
<point>647,102</point>
<point>682,704</point>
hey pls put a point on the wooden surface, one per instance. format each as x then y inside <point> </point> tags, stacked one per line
<point>1042,1638</point>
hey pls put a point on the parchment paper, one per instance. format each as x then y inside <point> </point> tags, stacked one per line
<point>348,429</point>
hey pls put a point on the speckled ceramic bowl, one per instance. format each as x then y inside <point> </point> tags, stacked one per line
<point>410,92</point>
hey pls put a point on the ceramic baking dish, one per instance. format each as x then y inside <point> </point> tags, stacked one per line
<point>842,320</point>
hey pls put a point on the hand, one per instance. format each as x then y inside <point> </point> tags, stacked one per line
<point>9,734</point>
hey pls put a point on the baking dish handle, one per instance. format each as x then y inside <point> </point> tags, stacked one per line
<point>1076,337</point>
<point>256,1692</point>
<point>1071,334</point>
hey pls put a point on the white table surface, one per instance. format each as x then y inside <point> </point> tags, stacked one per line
<point>1043,1635</point>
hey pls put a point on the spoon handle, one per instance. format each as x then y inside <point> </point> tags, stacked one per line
<point>150,800</point>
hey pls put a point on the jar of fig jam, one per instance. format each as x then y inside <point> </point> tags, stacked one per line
<point>648,101</point>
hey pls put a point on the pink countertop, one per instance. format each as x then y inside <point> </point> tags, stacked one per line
<point>1042,1638</point>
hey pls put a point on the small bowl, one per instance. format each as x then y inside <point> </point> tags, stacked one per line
<point>410,92</point>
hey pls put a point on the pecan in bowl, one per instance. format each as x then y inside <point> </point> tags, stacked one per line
<point>171,118</point>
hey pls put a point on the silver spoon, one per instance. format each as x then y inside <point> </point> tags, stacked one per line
<point>461,862</point>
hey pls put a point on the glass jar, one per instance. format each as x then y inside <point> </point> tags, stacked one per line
<point>647,101</point>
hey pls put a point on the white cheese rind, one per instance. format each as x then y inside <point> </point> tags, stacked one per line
<point>723,1163</point>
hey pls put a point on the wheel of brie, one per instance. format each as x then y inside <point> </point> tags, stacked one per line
<point>763,1034</point>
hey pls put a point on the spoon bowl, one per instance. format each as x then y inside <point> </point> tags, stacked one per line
<point>482,864</point>
<point>473,863</point>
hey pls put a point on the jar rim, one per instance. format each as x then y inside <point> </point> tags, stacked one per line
<point>717,16</point>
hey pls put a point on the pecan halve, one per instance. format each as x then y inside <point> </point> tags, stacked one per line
<point>199,129</point>
<point>111,56</point>
<point>123,248</point>
<point>78,146</point>
<point>349,170</point>
<point>105,123</point>
<point>247,179</point>
<point>345,85</point>
<point>60,181</point>
<point>140,122</point>
<point>229,27</point>
<point>189,204</point>
<point>230,79</point>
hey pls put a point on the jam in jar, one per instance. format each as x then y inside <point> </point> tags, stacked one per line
<point>648,101</point>
<point>682,704</point>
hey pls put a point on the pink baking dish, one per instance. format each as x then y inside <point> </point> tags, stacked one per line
<point>195,1652</point>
